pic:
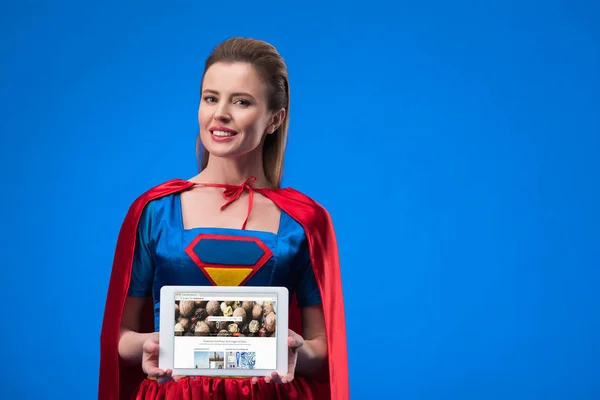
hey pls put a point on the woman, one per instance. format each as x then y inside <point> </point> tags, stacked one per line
<point>243,118</point>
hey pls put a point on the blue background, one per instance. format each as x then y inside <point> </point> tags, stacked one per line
<point>454,143</point>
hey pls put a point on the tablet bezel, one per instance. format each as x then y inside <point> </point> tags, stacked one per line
<point>167,325</point>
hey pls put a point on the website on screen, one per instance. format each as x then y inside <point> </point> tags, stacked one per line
<point>219,332</point>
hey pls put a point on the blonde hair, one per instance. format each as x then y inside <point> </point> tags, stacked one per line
<point>271,66</point>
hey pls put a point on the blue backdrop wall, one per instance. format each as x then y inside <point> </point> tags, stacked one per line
<point>455,145</point>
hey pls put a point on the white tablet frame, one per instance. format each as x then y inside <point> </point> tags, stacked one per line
<point>167,327</point>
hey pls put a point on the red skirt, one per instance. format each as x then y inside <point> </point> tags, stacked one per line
<point>217,388</point>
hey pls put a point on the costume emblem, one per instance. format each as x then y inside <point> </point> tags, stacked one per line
<point>218,257</point>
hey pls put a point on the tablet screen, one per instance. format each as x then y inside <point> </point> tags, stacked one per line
<point>225,331</point>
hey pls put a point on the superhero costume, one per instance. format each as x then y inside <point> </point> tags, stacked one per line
<point>321,283</point>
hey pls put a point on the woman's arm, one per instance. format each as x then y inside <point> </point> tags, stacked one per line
<point>130,341</point>
<point>313,353</point>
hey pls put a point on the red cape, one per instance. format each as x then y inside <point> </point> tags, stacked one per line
<point>119,381</point>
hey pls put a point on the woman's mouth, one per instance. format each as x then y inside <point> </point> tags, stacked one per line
<point>222,134</point>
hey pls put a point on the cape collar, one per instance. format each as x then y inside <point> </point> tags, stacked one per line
<point>233,192</point>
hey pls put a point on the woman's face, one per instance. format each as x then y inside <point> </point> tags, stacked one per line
<point>233,114</point>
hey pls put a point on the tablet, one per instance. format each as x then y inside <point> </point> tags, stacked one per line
<point>224,330</point>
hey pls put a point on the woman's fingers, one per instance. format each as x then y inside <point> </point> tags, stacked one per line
<point>155,372</point>
<point>274,377</point>
<point>165,377</point>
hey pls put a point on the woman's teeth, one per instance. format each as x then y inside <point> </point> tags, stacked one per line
<point>222,133</point>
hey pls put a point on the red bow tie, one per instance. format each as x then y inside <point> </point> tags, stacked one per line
<point>233,192</point>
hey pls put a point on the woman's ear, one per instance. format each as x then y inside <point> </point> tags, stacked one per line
<point>276,121</point>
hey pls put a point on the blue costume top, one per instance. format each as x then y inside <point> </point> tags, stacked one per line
<point>168,254</point>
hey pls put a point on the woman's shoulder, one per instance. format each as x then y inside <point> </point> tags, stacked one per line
<point>164,188</point>
<point>292,195</point>
<point>161,190</point>
<point>159,196</point>
<point>303,208</point>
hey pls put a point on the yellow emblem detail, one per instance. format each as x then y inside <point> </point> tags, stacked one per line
<point>228,276</point>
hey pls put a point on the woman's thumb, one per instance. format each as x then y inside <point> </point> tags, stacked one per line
<point>151,346</point>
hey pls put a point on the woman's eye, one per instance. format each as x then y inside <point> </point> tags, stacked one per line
<point>210,99</point>
<point>242,102</point>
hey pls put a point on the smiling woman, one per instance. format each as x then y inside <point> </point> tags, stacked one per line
<point>235,116</point>
<point>243,123</point>
<point>252,75</point>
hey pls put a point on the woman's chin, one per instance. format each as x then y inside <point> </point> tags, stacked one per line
<point>230,150</point>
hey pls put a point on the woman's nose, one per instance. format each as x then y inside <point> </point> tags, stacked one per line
<point>222,114</point>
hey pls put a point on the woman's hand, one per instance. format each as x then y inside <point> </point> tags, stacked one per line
<point>150,360</point>
<point>295,341</point>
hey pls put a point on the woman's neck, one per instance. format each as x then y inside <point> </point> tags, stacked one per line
<point>233,172</point>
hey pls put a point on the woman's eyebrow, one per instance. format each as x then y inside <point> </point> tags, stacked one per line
<point>233,94</point>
